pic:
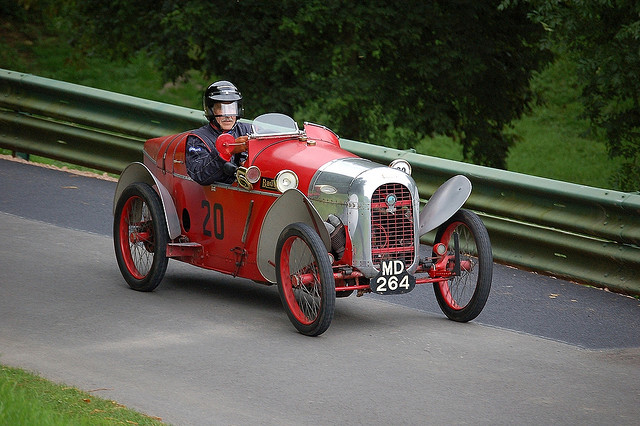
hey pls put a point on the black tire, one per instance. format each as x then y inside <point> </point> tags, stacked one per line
<point>140,237</point>
<point>463,297</point>
<point>301,254</point>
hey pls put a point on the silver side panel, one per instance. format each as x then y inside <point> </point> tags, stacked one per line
<point>138,172</point>
<point>290,207</point>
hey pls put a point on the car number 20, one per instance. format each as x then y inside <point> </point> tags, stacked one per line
<point>213,218</point>
<point>392,279</point>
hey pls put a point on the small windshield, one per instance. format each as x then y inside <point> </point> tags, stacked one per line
<point>274,123</point>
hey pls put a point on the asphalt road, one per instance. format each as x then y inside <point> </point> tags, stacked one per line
<point>205,348</point>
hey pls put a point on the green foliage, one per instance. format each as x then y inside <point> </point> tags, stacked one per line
<point>554,140</point>
<point>11,9</point>
<point>460,67</point>
<point>53,55</point>
<point>602,37</point>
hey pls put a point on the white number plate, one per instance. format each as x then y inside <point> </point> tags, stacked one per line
<point>392,279</point>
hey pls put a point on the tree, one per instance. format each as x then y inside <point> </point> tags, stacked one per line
<point>602,37</point>
<point>460,67</point>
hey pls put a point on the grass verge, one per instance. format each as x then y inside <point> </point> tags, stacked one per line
<point>26,399</point>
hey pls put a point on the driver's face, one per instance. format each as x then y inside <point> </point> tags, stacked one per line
<point>226,122</point>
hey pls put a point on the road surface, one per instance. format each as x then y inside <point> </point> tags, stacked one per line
<point>205,348</point>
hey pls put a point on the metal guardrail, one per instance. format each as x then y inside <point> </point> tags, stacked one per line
<point>573,231</point>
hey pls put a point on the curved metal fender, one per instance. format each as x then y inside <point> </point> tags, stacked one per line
<point>292,206</point>
<point>443,204</point>
<point>138,172</point>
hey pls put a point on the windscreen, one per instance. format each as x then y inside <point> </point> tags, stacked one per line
<point>274,124</point>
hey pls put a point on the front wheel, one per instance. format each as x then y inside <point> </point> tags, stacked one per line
<point>305,279</point>
<point>463,296</point>
<point>140,237</point>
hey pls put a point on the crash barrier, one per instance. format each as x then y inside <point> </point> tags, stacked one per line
<point>576,232</point>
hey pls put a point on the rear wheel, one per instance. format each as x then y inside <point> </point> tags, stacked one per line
<point>463,297</point>
<point>305,279</point>
<point>140,237</point>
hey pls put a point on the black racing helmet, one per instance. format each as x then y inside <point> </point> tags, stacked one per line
<point>222,92</point>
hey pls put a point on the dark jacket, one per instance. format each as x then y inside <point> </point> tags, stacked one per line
<point>203,161</point>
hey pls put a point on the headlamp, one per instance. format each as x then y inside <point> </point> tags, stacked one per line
<point>286,179</point>
<point>402,165</point>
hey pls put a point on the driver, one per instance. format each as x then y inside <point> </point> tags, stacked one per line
<point>222,103</point>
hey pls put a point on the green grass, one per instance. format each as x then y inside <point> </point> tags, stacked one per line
<point>550,150</point>
<point>556,142</point>
<point>441,146</point>
<point>26,399</point>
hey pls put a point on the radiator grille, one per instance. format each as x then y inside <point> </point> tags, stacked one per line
<point>392,235</point>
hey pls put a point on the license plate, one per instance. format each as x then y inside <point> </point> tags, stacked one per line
<point>392,279</point>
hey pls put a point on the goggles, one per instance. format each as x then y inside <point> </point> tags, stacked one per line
<point>226,109</point>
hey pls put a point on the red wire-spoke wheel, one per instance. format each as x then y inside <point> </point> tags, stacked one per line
<point>305,279</point>
<point>463,296</point>
<point>140,237</point>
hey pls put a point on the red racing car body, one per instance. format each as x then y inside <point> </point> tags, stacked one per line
<point>305,214</point>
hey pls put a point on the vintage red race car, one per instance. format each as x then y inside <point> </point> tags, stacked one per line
<point>306,214</point>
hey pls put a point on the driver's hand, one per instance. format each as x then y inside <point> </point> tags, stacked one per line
<point>241,146</point>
